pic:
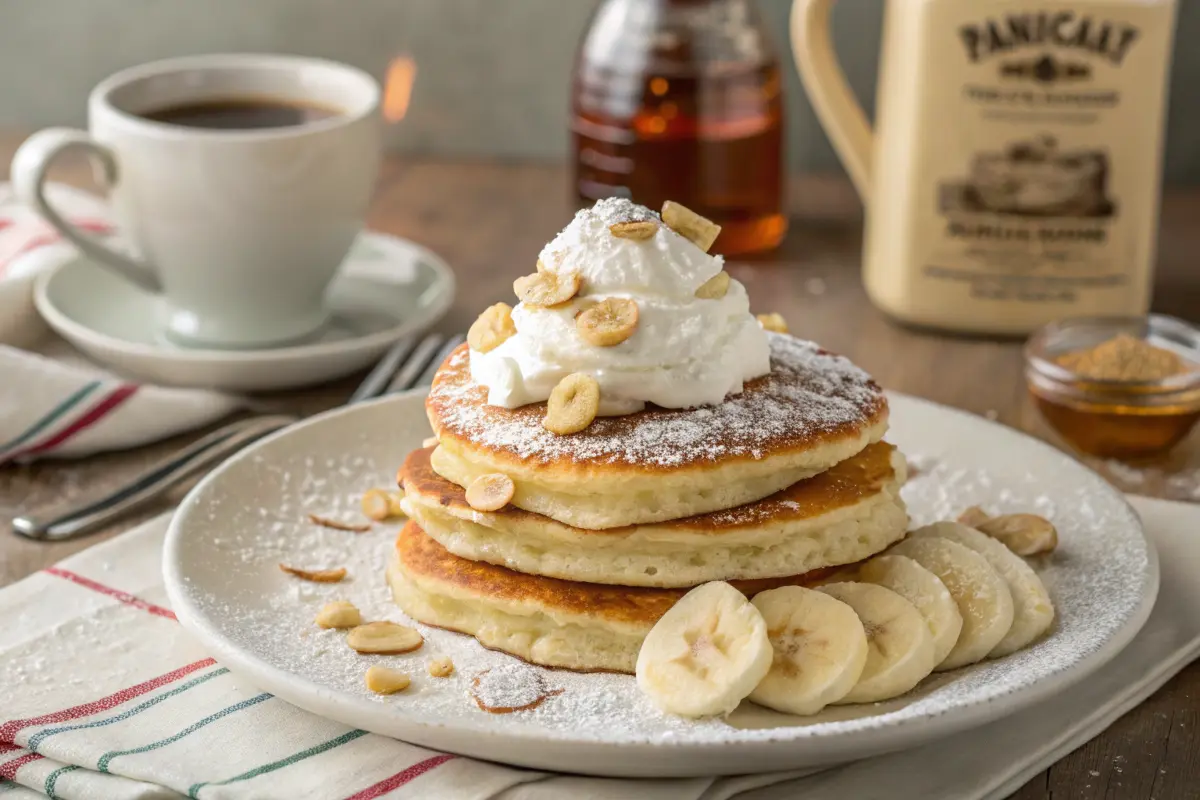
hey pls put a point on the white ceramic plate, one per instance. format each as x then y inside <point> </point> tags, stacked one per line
<point>387,288</point>
<point>233,529</point>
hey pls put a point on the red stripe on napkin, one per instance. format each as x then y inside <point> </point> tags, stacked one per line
<point>124,597</point>
<point>10,729</point>
<point>9,771</point>
<point>53,237</point>
<point>92,416</point>
<point>400,778</point>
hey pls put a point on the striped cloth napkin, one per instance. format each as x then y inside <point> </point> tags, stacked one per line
<point>29,247</point>
<point>106,697</point>
<point>53,402</point>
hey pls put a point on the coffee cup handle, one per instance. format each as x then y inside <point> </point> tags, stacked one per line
<point>29,165</point>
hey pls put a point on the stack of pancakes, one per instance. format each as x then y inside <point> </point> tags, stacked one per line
<point>609,527</point>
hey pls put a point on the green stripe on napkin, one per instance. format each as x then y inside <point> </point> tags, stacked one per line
<point>193,792</point>
<point>107,758</point>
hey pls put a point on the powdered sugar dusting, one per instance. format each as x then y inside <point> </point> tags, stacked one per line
<point>752,513</point>
<point>232,532</point>
<point>620,209</point>
<point>809,392</point>
<point>511,687</point>
<point>847,483</point>
<point>1178,483</point>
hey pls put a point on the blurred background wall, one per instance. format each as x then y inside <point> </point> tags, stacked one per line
<point>492,75</point>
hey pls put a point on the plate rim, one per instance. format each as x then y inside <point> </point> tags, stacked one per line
<point>445,287</point>
<point>819,746</point>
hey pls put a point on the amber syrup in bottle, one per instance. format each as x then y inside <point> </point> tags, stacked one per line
<point>682,100</point>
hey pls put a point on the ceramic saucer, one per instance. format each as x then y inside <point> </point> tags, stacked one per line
<point>386,289</point>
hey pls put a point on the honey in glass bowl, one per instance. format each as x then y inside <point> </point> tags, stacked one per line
<point>1117,387</point>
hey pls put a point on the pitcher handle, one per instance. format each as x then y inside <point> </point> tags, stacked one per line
<point>830,93</point>
<point>29,165</point>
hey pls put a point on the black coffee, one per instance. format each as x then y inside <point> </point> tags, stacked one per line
<point>240,114</point>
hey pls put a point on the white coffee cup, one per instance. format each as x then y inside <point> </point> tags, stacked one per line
<point>241,230</point>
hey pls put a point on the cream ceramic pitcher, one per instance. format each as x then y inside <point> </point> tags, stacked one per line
<point>1014,171</point>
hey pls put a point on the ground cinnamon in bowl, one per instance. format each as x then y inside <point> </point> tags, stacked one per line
<point>1117,388</point>
<point>1123,358</point>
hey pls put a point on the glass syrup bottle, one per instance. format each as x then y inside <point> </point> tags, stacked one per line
<point>682,100</point>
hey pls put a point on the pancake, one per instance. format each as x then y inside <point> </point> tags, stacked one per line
<point>843,515</point>
<point>555,623</point>
<point>812,411</point>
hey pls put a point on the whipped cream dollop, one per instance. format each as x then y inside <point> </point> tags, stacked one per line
<point>686,351</point>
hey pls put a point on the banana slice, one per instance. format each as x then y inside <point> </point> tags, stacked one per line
<point>572,404</point>
<point>820,649</point>
<point>609,322</point>
<point>982,595</point>
<point>706,654</point>
<point>715,287</point>
<point>492,329</point>
<point>690,225</point>
<point>899,644</point>
<point>547,289</point>
<point>1033,612</point>
<point>773,322</point>
<point>924,590</point>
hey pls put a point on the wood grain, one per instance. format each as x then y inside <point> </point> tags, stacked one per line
<point>490,220</point>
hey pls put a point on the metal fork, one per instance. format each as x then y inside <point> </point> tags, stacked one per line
<point>408,364</point>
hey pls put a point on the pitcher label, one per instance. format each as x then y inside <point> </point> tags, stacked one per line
<point>1062,29</point>
<point>1040,150</point>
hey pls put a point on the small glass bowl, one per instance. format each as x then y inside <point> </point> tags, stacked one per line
<point>1115,418</point>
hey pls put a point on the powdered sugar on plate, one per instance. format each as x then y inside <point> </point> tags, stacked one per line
<point>512,687</point>
<point>1171,482</point>
<point>231,532</point>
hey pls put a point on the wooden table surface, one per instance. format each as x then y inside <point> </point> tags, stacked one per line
<point>490,220</point>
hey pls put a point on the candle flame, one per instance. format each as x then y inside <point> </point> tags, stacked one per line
<point>397,87</point>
